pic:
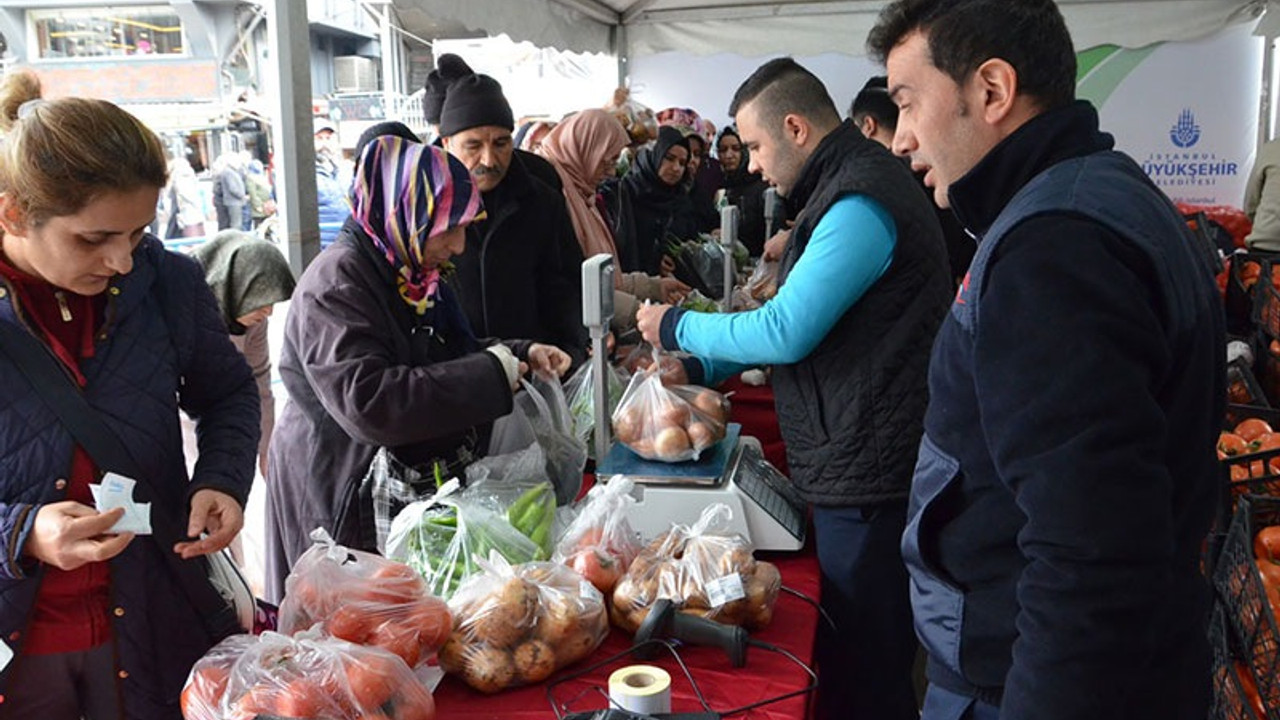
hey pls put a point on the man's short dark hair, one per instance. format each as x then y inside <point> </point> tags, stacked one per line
<point>1028,34</point>
<point>874,101</point>
<point>782,87</point>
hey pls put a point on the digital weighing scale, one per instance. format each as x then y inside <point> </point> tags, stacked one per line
<point>766,509</point>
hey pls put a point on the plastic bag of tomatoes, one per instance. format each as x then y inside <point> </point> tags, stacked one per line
<point>365,599</point>
<point>600,543</point>
<point>516,625</point>
<point>306,676</point>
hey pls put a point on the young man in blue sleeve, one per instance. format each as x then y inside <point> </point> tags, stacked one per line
<point>862,289</point>
<point>1067,476</point>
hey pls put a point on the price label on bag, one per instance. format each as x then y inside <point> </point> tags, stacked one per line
<point>725,590</point>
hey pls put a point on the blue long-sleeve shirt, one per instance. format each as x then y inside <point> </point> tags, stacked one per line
<point>850,250</point>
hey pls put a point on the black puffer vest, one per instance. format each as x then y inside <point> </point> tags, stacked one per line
<point>852,411</point>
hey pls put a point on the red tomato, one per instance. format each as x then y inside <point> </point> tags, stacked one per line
<point>370,679</point>
<point>350,623</point>
<point>431,617</point>
<point>1266,544</point>
<point>1252,429</point>
<point>301,699</point>
<point>399,640</point>
<point>1250,688</point>
<point>395,583</point>
<point>599,568</point>
<point>203,693</point>
<point>1230,444</point>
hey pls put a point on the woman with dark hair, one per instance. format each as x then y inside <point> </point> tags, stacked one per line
<point>378,353</point>
<point>743,188</point>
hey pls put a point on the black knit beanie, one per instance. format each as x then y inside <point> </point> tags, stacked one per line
<point>475,101</point>
<point>449,68</point>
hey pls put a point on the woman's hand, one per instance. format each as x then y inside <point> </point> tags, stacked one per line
<point>549,359</point>
<point>215,513</point>
<point>666,266</point>
<point>69,534</point>
<point>673,291</point>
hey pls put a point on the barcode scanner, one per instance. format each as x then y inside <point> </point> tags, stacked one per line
<point>664,621</point>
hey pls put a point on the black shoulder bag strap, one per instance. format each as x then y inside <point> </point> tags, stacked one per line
<point>43,371</point>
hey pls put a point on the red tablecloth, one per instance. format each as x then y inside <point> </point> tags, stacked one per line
<point>765,675</point>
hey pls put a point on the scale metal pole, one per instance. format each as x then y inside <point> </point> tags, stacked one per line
<point>728,236</point>
<point>597,310</point>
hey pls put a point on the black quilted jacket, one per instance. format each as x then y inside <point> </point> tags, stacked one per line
<point>163,346</point>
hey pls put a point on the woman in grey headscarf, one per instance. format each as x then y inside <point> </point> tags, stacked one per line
<point>248,276</point>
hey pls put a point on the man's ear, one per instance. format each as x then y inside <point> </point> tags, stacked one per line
<point>11,219</point>
<point>995,84</point>
<point>796,129</point>
<point>868,126</point>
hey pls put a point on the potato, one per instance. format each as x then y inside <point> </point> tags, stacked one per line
<point>488,669</point>
<point>737,560</point>
<point>733,613</point>
<point>759,617</point>
<point>559,620</point>
<point>534,661</point>
<point>452,655</point>
<point>671,443</point>
<point>502,624</point>
<point>577,646</point>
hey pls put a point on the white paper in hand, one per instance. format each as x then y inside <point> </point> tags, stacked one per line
<point>117,491</point>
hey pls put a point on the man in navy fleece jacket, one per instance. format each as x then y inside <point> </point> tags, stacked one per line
<point>1067,476</point>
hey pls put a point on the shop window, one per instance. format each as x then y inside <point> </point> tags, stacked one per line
<point>106,32</point>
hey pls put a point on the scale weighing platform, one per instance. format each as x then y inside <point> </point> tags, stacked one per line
<point>767,511</point>
<point>766,508</point>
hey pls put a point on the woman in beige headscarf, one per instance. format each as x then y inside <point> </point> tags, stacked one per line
<point>584,149</point>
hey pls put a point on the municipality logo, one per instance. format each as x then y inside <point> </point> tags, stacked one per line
<point>1185,133</point>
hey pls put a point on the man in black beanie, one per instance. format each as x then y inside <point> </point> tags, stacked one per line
<point>449,69</point>
<point>520,274</point>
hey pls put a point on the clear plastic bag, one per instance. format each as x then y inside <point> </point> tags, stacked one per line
<point>636,118</point>
<point>659,424</point>
<point>365,599</point>
<point>704,570</point>
<point>762,285</point>
<point>600,543</point>
<point>547,408</point>
<point>579,390</point>
<point>441,538</point>
<point>540,417</point>
<point>306,676</point>
<point>518,624</point>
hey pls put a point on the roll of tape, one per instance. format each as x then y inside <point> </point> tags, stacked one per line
<point>641,689</point>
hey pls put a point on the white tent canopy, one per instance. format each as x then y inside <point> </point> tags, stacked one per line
<point>752,27</point>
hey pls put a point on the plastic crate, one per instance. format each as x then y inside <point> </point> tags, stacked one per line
<point>1243,387</point>
<point>1231,700</point>
<point>1255,473</point>
<point>1241,309</point>
<point>1250,621</point>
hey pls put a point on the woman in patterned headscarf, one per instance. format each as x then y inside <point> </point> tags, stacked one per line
<point>377,353</point>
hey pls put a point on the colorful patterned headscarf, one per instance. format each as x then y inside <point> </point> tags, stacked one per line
<point>405,193</point>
